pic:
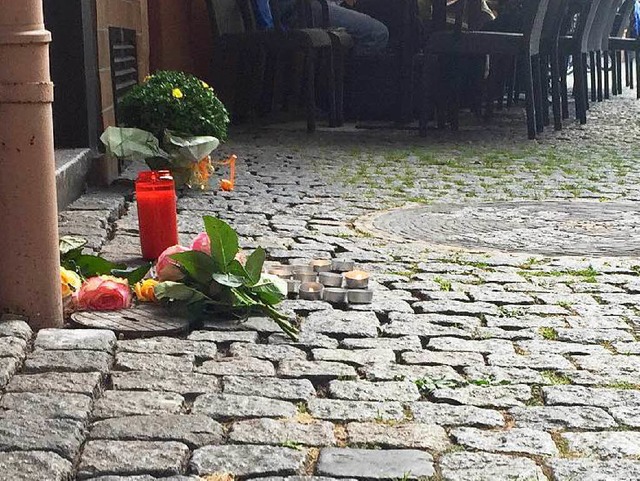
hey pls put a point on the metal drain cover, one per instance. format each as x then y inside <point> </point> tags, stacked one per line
<point>571,228</point>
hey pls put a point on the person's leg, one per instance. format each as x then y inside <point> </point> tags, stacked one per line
<point>370,36</point>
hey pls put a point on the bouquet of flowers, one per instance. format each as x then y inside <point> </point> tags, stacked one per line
<point>171,121</point>
<point>211,277</point>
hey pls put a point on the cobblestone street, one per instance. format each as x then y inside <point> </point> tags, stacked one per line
<point>486,355</point>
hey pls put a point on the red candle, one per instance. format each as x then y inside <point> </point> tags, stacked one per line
<point>157,217</point>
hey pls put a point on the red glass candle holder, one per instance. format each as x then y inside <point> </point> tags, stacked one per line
<point>157,212</point>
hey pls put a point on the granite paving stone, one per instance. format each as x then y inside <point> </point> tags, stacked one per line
<point>493,346</point>
<point>590,396</point>
<point>410,435</point>
<point>61,405</point>
<point>375,464</point>
<point>267,351</point>
<point>453,415</point>
<point>13,347</point>
<point>154,458</point>
<point>68,361</point>
<point>287,389</point>
<point>398,344</point>
<point>604,444</point>
<point>223,337</point>
<point>374,391</point>
<point>115,404</point>
<point>485,396</point>
<point>280,432</point>
<point>316,369</point>
<point>565,417</point>
<point>238,366</point>
<point>170,346</point>
<point>15,328</point>
<point>353,324</point>
<point>230,406</point>
<point>449,358</point>
<point>8,367</point>
<point>247,460</point>
<point>71,339</point>
<point>515,440</point>
<point>358,357</point>
<point>131,361</point>
<point>35,433</point>
<point>466,466</point>
<point>346,410</point>
<point>172,381</point>
<point>84,383</point>
<point>191,429</point>
<point>594,470</point>
<point>34,465</point>
<point>533,361</point>
<point>402,372</point>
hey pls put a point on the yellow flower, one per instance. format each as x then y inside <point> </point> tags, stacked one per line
<point>147,78</point>
<point>69,281</point>
<point>145,290</point>
<point>205,85</point>
<point>177,93</point>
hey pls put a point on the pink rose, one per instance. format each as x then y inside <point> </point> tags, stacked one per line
<point>166,268</point>
<point>202,243</point>
<point>103,293</point>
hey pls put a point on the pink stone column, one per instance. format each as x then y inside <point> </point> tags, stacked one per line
<point>29,259</point>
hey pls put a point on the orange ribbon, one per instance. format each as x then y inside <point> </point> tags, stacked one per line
<point>229,184</point>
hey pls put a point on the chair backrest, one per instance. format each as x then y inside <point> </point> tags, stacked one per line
<point>229,17</point>
<point>586,17</point>
<point>553,20</point>
<point>601,19</point>
<point>621,21</point>
<point>606,31</point>
<point>533,16</point>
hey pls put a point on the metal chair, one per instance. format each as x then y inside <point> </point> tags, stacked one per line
<point>621,44</point>
<point>525,46</point>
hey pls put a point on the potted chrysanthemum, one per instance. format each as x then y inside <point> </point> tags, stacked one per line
<point>171,121</point>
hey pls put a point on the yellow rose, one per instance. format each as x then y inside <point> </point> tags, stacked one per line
<point>177,93</point>
<point>70,282</point>
<point>145,290</point>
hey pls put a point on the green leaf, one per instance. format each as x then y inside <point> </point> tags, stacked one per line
<point>131,144</point>
<point>268,293</point>
<point>90,265</point>
<point>254,264</point>
<point>224,242</point>
<point>177,291</point>
<point>133,275</point>
<point>229,280</point>
<point>71,243</point>
<point>190,149</point>
<point>197,264</point>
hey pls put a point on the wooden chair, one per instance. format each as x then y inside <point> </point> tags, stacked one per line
<point>237,39</point>
<point>620,23</point>
<point>525,46</point>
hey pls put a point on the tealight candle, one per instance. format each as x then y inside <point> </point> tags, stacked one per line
<point>360,296</point>
<point>304,276</point>
<point>311,291</point>
<point>342,265</point>
<point>321,265</point>
<point>302,269</point>
<point>335,295</point>
<point>330,279</point>
<point>280,272</point>
<point>357,279</point>
<point>293,286</point>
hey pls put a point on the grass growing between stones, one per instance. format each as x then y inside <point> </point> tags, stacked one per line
<point>556,378</point>
<point>548,333</point>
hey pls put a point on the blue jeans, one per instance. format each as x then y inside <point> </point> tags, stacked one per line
<point>370,36</point>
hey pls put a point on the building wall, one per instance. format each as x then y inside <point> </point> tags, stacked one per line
<point>179,36</point>
<point>130,14</point>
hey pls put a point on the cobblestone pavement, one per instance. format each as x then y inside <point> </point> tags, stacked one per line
<point>467,366</point>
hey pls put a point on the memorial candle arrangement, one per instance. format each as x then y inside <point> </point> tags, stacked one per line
<point>157,212</point>
<point>335,281</point>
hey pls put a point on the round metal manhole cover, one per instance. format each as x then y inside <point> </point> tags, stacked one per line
<point>549,227</point>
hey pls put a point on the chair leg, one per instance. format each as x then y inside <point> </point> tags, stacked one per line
<point>637,55</point>
<point>555,90</point>
<point>537,92</point>
<point>339,66</point>
<point>614,73</point>
<point>592,60</point>
<point>606,68</point>
<point>584,81</point>
<point>544,66</point>
<point>330,80</point>
<point>599,75</point>
<point>454,104</point>
<point>310,67</point>
<point>619,64</point>
<point>510,80</point>
<point>579,88</point>
<point>564,91</point>
<point>630,62</point>
<point>429,73</point>
<point>529,96</point>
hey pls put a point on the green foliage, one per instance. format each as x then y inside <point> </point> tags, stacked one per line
<point>88,265</point>
<point>156,106</point>
<point>218,283</point>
